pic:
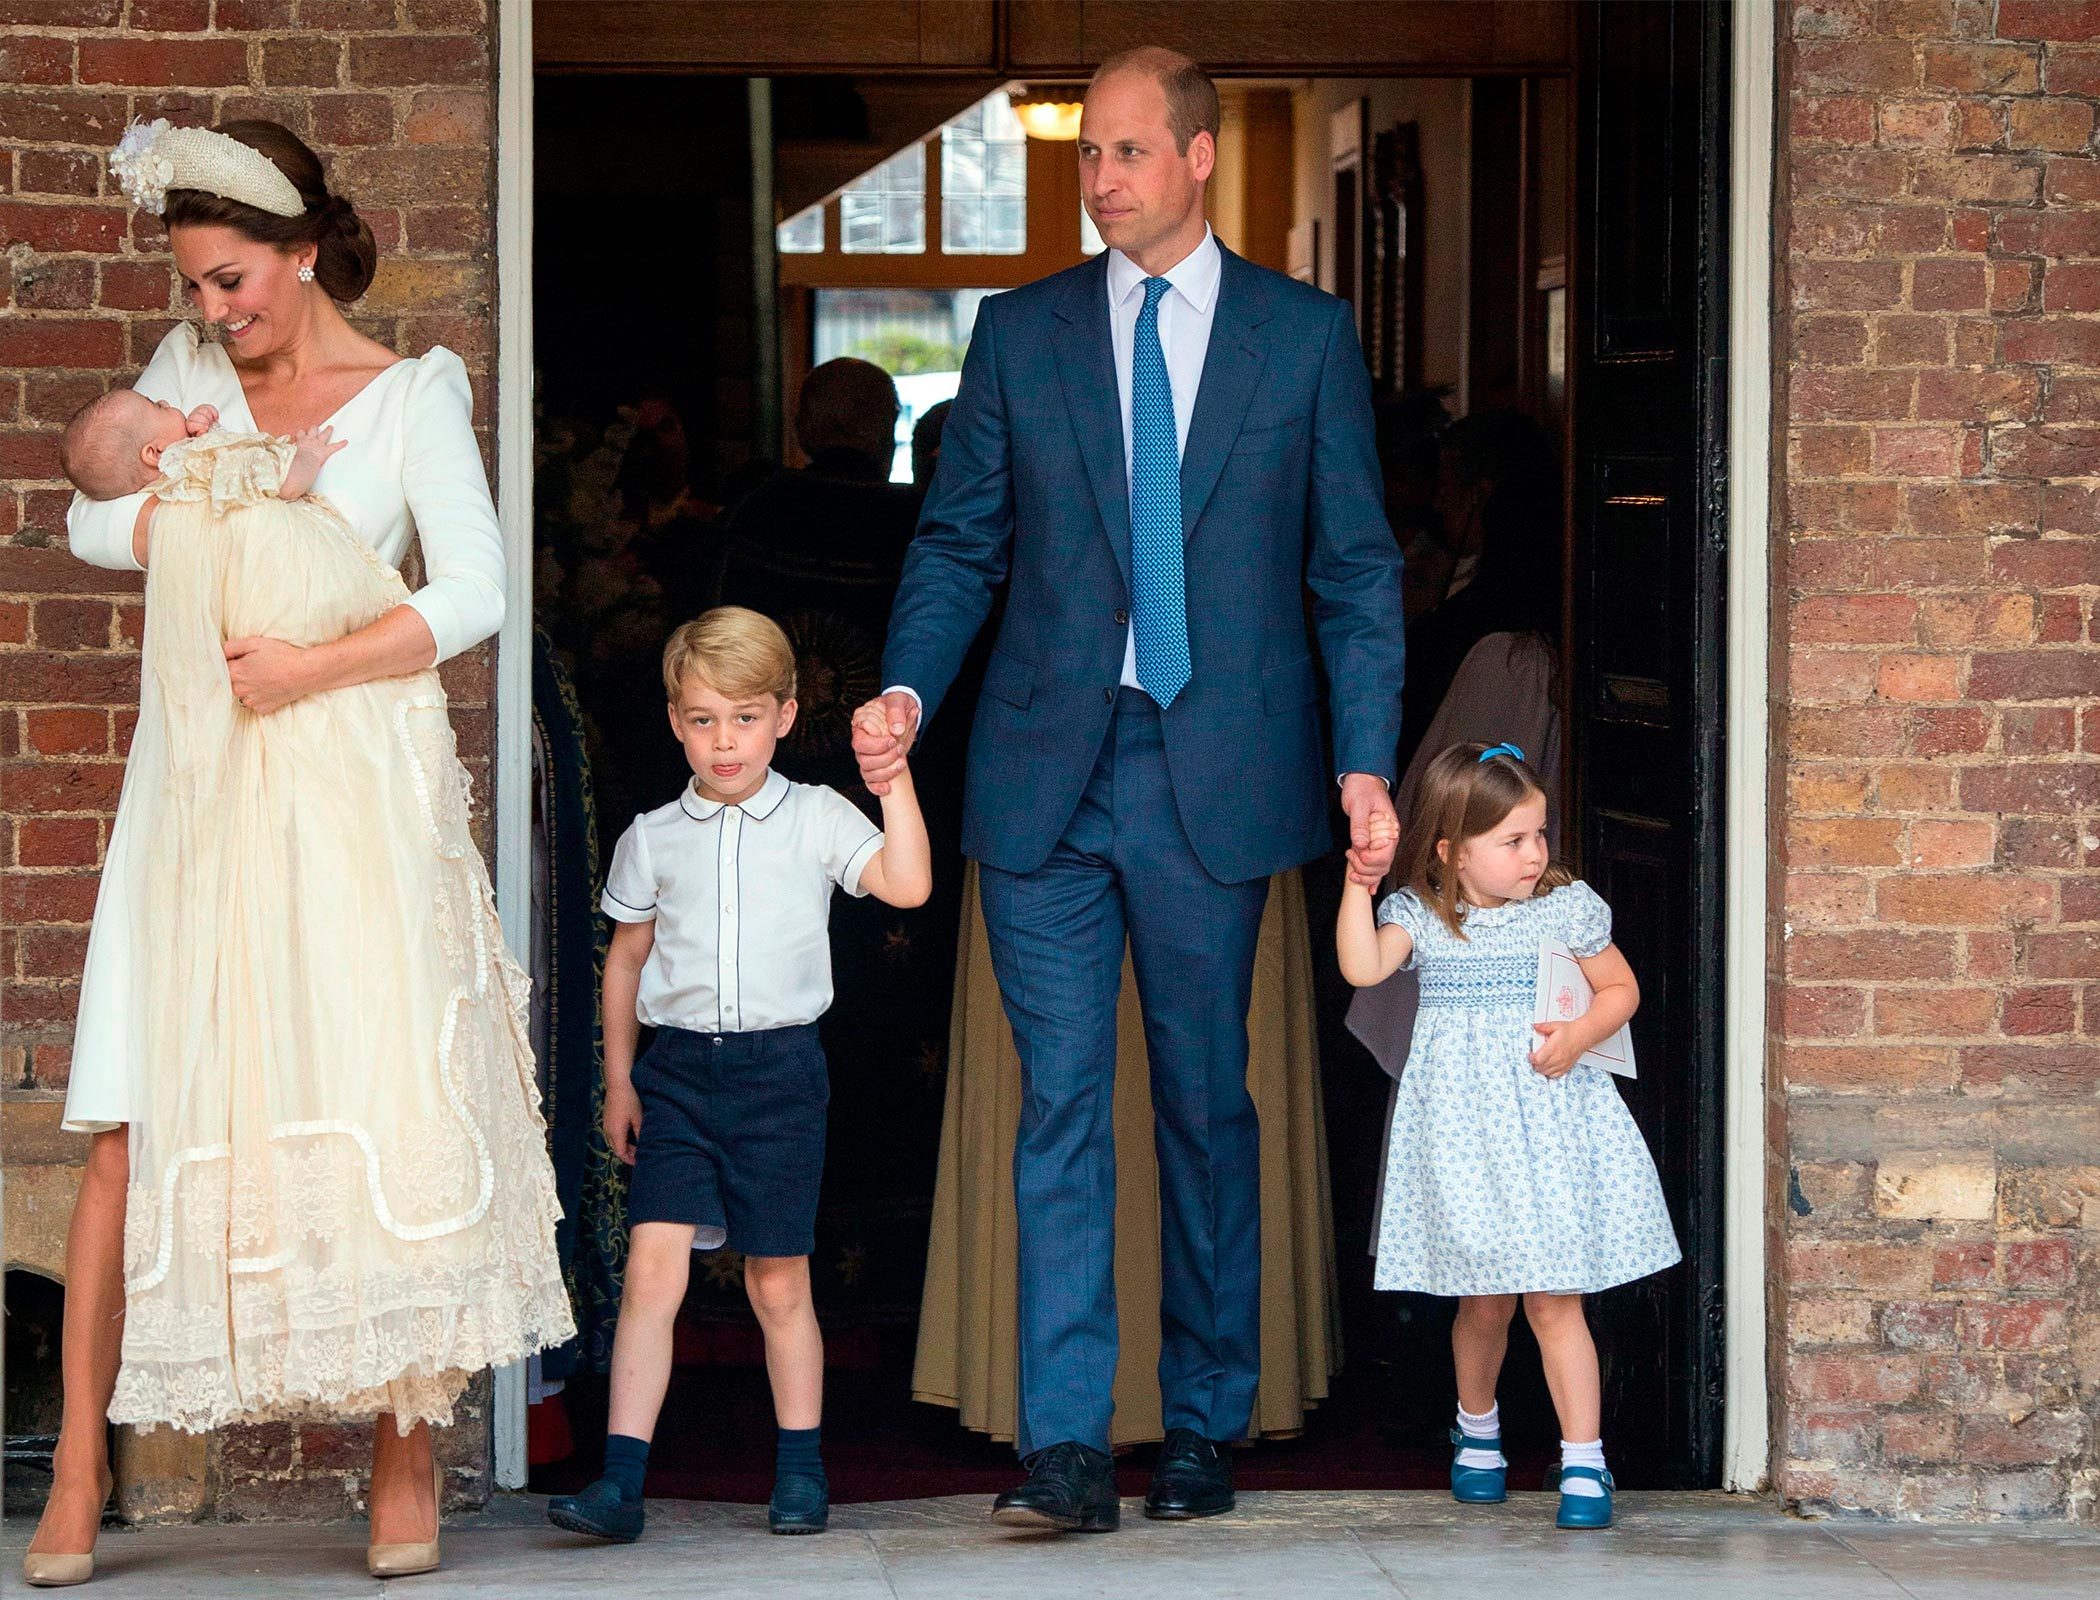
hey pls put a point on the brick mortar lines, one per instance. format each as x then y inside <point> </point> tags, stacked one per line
<point>1936,625</point>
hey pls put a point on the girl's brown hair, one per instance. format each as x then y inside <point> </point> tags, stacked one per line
<point>346,255</point>
<point>1462,797</point>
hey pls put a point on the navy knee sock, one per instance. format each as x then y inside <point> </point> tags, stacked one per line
<point>800,1454</point>
<point>626,1463</point>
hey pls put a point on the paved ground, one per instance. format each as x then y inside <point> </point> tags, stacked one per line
<point>1322,1546</point>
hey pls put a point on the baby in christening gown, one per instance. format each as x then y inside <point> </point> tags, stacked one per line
<point>340,1202</point>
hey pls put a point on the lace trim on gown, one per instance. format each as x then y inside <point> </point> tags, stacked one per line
<point>343,1203</point>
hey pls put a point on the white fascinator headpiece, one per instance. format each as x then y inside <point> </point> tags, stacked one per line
<point>154,157</point>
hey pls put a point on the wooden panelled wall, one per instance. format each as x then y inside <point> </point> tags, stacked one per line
<point>1433,37</point>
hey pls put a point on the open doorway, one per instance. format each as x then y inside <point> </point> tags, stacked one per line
<point>1451,211</point>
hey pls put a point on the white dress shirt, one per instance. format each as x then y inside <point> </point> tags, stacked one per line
<point>1185,314</point>
<point>741,899</point>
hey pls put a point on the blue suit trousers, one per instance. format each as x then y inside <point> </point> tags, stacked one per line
<point>1124,867</point>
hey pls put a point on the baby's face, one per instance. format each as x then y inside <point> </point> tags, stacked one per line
<point>152,422</point>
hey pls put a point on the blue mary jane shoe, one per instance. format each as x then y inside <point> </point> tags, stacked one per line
<point>1477,1486</point>
<point>1585,1510</point>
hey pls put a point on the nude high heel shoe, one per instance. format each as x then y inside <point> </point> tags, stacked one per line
<point>41,1570</point>
<point>406,1560</point>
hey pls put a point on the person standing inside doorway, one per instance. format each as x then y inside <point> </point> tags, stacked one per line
<point>1157,450</point>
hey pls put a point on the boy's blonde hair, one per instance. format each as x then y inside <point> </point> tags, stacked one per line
<point>733,650</point>
<point>1461,797</point>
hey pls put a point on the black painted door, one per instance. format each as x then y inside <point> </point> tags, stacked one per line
<point>1645,687</point>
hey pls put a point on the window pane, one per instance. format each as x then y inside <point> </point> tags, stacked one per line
<point>1005,227</point>
<point>962,226</point>
<point>904,223</point>
<point>802,234</point>
<point>1006,169</point>
<point>884,211</point>
<point>984,181</point>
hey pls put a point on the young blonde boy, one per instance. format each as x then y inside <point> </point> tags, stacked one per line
<point>720,901</point>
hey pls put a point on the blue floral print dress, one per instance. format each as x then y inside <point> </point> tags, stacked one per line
<point>1500,1180</point>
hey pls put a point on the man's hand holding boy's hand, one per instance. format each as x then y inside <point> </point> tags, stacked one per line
<point>623,1118</point>
<point>883,731</point>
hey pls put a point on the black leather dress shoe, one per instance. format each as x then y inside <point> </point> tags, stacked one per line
<point>1193,1478</point>
<point>1071,1488</point>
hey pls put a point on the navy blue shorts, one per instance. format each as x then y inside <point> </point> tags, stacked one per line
<point>733,1137</point>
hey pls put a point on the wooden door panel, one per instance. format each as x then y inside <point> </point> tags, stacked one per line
<point>1650,286</point>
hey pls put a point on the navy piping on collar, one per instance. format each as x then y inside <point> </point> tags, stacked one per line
<point>687,801</point>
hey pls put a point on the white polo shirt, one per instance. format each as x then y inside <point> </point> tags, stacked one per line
<point>741,898</point>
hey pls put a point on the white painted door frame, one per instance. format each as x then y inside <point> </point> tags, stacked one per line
<point>1746,1443</point>
<point>511,775</point>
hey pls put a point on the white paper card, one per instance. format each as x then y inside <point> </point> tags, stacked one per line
<point>1564,994</point>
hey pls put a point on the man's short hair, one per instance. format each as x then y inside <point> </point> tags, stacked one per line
<point>847,404</point>
<point>735,651</point>
<point>1192,99</point>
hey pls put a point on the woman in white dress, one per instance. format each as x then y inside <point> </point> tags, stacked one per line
<point>338,1197</point>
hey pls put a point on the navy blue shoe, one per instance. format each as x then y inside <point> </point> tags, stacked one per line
<point>1477,1486</point>
<point>1585,1510</point>
<point>600,1511</point>
<point>801,1504</point>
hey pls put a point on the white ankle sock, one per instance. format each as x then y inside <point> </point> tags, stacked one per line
<point>1582,1455</point>
<point>1488,1425</point>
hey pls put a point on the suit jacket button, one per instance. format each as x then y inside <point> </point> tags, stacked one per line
<point>1122,619</point>
<point>1109,695</point>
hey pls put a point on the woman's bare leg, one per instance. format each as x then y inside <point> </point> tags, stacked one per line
<point>402,1509</point>
<point>93,1346</point>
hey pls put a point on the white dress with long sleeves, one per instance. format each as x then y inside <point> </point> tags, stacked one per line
<point>412,472</point>
<point>340,1201</point>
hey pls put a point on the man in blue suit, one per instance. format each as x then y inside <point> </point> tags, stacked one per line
<point>1157,451</point>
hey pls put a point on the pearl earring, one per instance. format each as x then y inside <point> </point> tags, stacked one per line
<point>306,274</point>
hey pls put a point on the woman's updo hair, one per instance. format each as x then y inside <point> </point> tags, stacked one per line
<point>347,254</point>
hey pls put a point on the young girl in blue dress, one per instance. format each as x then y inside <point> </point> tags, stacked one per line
<point>1515,1170</point>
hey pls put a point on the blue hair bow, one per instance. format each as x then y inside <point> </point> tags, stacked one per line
<point>1501,750</point>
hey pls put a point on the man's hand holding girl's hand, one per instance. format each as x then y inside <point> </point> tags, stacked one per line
<point>1372,840</point>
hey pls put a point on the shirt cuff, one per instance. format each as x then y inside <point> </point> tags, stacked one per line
<point>905,688</point>
<point>620,911</point>
<point>849,880</point>
<point>1346,776</point>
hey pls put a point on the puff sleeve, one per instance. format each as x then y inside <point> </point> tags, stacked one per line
<point>1584,918</point>
<point>1404,909</point>
<point>99,531</point>
<point>448,496</point>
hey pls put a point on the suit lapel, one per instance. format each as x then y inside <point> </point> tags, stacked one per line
<point>1231,369</point>
<point>1086,366</point>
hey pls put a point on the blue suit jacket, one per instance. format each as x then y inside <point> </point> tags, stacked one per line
<point>1280,489</point>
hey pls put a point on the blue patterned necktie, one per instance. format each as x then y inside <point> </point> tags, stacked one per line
<point>1158,593</point>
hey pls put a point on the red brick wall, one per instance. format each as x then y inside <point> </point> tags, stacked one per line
<point>398,97</point>
<point>1938,1026</point>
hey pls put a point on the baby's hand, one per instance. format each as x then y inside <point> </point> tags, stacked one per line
<point>310,448</point>
<point>201,421</point>
<point>1555,1055</point>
